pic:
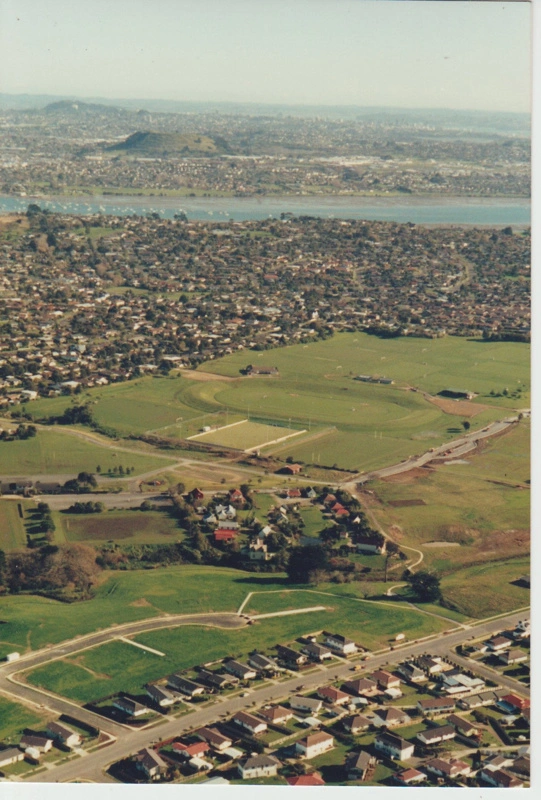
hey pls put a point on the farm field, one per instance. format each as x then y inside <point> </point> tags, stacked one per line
<point>246,435</point>
<point>14,718</point>
<point>481,509</point>
<point>52,452</point>
<point>133,527</point>
<point>12,530</point>
<point>117,666</point>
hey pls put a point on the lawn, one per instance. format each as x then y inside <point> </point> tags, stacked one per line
<point>490,588</point>
<point>15,718</point>
<point>12,530</point>
<point>55,452</point>
<point>313,520</point>
<point>133,527</point>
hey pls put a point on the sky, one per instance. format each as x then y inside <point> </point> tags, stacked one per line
<point>403,53</point>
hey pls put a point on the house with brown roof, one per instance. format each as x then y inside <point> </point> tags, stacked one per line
<point>431,736</point>
<point>442,768</point>
<point>314,744</point>
<point>516,656</point>
<point>409,777</point>
<point>64,734</point>
<point>390,717</point>
<point>462,726</point>
<point>360,766</point>
<point>501,779</point>
<point>250,723</point>
<point>357,723</point>
<point>362,687</point>
<point>214,738</point>
<point>432,706</point>
<point>385,680</point>
<point>276,714</point>
<point>259,766</point>
<point>498,643</point>
<point>151,763</point>
<point>331,694</point>
<point>394,746</point>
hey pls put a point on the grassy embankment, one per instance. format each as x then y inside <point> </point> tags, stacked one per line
<point>474,511</point>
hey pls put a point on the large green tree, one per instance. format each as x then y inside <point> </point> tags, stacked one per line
<point>306,563</point>
<point>425,586</point>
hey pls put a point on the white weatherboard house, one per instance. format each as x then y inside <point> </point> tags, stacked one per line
<point>314,744</point>
<point>258,767</point>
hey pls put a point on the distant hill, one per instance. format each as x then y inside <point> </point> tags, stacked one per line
<point>149,143</point>
<point>78,107</point>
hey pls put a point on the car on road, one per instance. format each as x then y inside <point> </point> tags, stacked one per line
<point>299,687</point>
<point>244,694</point>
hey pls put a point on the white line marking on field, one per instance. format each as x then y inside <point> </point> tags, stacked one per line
<point>216,430</point>
<point>274,441</point>
<point>141,646</point>
<point>288,613</point>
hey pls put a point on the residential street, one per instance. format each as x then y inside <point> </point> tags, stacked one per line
<point>91,766</point>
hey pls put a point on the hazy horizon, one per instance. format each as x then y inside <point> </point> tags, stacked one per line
<point>408,55</point>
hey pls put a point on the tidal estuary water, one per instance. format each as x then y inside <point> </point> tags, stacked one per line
<point>423,211</point>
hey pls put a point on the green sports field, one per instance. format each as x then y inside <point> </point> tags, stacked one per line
<point>30,622</point>
<point>352,424</point>
<point>429,364</point>
<point>246,435</point>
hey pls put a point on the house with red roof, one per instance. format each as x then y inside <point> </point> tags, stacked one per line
<point>191,750</point>
<point>314,779</point>
<point>224,535</point>
<point>511,703</point>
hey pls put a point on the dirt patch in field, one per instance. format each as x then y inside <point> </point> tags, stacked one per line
<point>460,408</point>
<point>407,503</point>
<point>141,603</point>
<point>396,532</point>
<point>205,376</point>
<point>8,220</point>
<point>509,541</point>
<point>441,544</point>
<point>408,477</point>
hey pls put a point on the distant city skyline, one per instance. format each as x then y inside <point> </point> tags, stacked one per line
<point>376,53</point>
